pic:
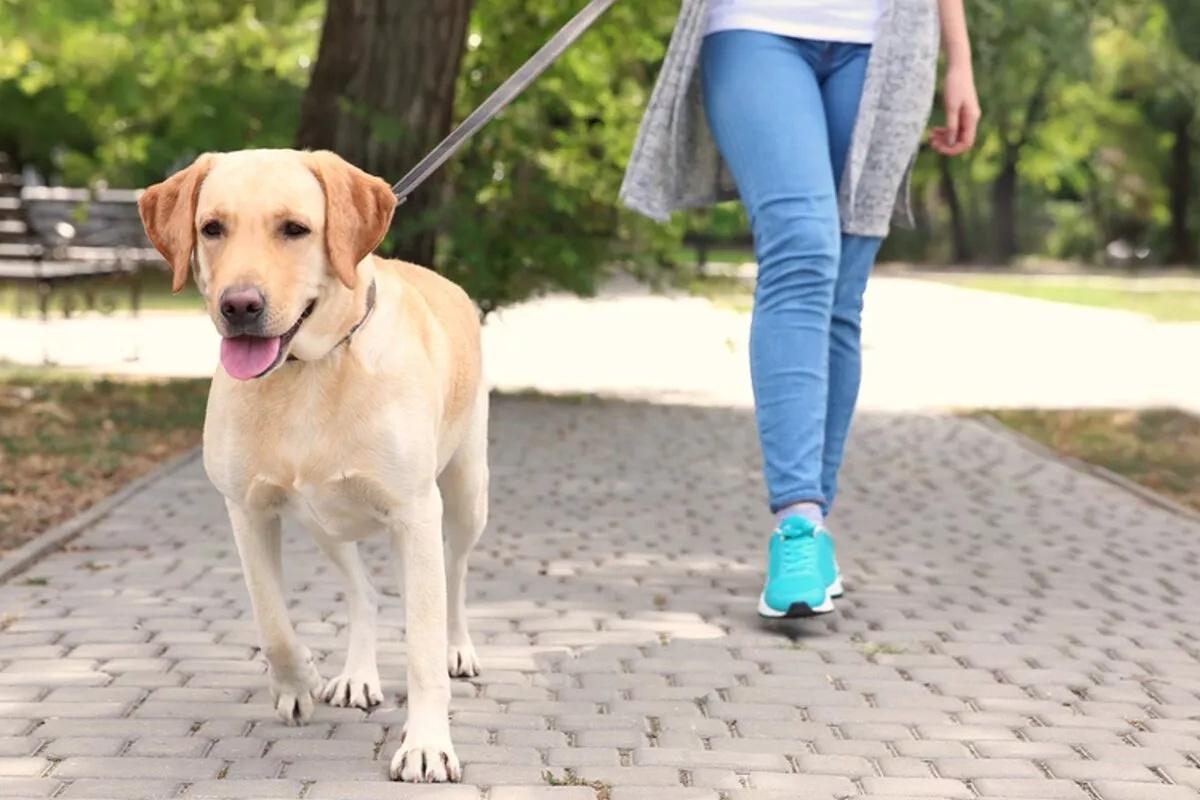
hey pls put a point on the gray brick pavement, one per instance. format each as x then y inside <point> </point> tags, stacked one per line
<point>1020,631</point>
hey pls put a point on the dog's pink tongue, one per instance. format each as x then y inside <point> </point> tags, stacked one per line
<point>246,357</point>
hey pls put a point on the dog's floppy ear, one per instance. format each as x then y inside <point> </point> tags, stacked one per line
<point>168,211</point>
<point>358,211</point>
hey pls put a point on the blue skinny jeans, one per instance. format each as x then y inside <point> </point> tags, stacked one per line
<point>782,112</point>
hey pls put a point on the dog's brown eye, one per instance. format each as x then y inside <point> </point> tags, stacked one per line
<point>294,230</point>
<point>212,229</point>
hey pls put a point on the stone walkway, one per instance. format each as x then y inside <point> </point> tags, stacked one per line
<point>1022,631</point>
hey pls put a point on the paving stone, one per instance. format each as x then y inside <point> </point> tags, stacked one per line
<point>490,754</point>
<point>971,768</point>
<point>237,747</point>
<point>183,769</point>
<point>543,739</point>
<point>18,745</point>
<point>72,710</point>
<point>789,794</point>
<point>542,793</point>
<point>676,757</point>
<point>689,793</point>
<point>83,746</point>
<point>1184,776</point>
<point>850,766</point>
<point>291,749</point>
<point>930,750</point>
<point>174,746</point>
<point>950,657</point>
<point>610,738</point>
<point>715,779</point>
<point>1129,790</point>
<point>112,728</point>
<point>496,774</point>
<point>23,766</point>
<point>253,768</point>
<point>338,769</point>
<point>944,788</point>
<point>631,776</point>
<point>853,747</point>
<point>1081,770</point>
<point>895,767</point>
<point>356,790</point>
<point>803,785</point>
<point>1030,787</point>
<point>1030,750</point>
<point>117,789</point>
<point>583,756</point>
<point>29,787</point>
<point>243,789</point>
<point>1149,756</point>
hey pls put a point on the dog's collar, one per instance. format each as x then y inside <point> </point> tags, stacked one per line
<point>356,327</point>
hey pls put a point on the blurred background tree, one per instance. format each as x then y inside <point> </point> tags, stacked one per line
<point>382,95</point>
<point>1089,130</point>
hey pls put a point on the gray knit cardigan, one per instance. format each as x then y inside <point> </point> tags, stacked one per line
<point>675,163</point>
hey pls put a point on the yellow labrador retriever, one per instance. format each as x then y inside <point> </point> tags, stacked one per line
<point>349,395</point>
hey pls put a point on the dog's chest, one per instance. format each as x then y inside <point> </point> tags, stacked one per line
<point>348,507</point>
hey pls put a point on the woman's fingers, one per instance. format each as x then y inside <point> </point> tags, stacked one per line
<point>969,126</point>
<point>939,140</point>
<point>953,113</point>
<point>958,135</point>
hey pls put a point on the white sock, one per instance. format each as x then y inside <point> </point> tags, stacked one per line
<point>809,511</point>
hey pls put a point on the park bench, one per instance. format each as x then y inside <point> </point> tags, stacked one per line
<point>71,235</point>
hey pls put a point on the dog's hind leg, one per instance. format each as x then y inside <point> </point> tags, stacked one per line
<point>464,487</point>
<point>358,683</point>
<point>294,680</point>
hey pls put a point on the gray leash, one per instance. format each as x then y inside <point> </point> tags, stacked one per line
<point>505,94</point>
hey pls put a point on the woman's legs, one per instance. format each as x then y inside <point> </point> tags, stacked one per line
<point>841,91</point>
<point>767,114</point>
<point>845,353</point>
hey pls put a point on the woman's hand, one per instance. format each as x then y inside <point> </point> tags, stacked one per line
<point>958,92</point>
<point>957,136</point>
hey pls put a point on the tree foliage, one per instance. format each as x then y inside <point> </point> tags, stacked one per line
<point>1088,135</point>
<point>122,90</point>
<point>534,195</point>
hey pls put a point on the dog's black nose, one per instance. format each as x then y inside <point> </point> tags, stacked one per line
<point>242,307</point>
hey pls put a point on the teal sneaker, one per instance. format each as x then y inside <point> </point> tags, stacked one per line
<point>802,571</point>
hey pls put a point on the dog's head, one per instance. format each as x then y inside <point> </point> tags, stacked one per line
<point>276,237</point>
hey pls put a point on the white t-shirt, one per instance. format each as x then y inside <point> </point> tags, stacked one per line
<point>822,20</point>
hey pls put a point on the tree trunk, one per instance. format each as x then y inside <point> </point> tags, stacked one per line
<point>963,253</point>
<point>1182,248</point>
<point>382,95</point>
<point>1004,208</point>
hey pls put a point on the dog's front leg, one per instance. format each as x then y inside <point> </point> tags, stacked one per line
<point>358,684</point>
<point>425,753</point>
<point>294,680</point>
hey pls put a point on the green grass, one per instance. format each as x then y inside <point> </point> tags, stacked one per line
<point>723,291</point>
<point>1149,297</point>
<point>688,254</point>
<point>111,293</point>
<point>68,439</point>
<point>1158,448</point>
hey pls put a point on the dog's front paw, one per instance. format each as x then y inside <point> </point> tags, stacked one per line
<point>295,691</point>
<point>359,688</point>
<point>425,758</point>
<point>464,663</point>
